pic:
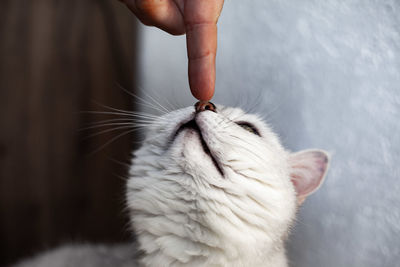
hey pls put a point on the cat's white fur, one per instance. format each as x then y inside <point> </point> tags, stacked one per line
<point>186,212</point>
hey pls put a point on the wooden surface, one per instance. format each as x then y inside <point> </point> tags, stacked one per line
<point>56,57</point>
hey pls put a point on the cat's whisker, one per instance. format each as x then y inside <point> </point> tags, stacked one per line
<point>170,105</point>
<point>125,164</point>
<point>114,124</point>
<point>112,140</point>
<point>111,130</point>
<point>133,113</point>
<point>111,108</point>
<point>153,107</point>
<point>226,119</point>
<point>258,100</point>
<point>131,120</point>
<point>133,116</point>
<point>126,111</point>
<point>248,144</point>
<point>144,102</point>
<point>97,112</point>
<point>134,124</point>
<point>272,111</point>
<point>156,102</point>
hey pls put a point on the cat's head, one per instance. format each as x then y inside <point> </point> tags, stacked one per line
<point>213,185</point>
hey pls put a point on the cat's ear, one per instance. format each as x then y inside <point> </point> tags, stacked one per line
<point>308,169</point>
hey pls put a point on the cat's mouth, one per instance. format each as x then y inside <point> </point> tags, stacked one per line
<point>193,126</point>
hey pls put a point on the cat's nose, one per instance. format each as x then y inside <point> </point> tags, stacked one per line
<point>204,105</point>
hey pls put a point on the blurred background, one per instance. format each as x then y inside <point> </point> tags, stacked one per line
<point>325,74</point>
<point>58,59</point>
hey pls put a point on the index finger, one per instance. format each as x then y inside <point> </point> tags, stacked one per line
<point>201,18</point>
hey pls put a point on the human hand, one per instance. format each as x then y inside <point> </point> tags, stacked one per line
<point>198,19</point>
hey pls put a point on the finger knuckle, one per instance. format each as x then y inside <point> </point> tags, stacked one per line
<point>149,7</point>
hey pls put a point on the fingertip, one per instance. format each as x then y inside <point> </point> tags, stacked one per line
<point>202,94</point>
<point>202,79</point>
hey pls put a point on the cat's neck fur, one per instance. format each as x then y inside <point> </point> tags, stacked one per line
<point>188,252</point>
<point>173,232</point>
<point>246,256</point>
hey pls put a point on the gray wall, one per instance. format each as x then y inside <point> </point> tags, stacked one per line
<point>326,74</point>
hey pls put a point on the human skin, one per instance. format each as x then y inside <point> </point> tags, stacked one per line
<point>198,19</point>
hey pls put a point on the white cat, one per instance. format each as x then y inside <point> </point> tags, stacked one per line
<point>216,188</point>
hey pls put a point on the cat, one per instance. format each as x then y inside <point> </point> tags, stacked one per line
<point>212,188</point>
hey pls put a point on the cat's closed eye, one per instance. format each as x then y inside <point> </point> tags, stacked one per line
<point>248,127</point>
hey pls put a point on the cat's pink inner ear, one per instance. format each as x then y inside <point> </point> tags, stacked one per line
<point>308,169</point>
